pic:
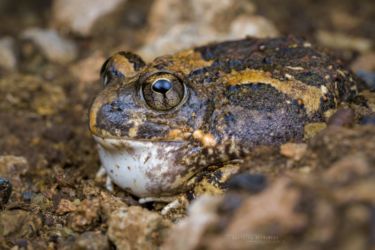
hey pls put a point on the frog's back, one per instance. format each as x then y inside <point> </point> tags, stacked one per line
<point>264,91</point>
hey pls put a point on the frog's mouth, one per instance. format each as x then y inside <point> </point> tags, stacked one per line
<point>144,168</point>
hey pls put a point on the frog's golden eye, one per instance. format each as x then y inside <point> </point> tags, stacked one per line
<point>163,91</point>
<point>120,65</point>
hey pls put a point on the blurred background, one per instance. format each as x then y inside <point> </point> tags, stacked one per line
<point>69,30</point>
<point>51,52</point>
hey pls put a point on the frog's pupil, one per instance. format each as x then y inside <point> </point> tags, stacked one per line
<point>161,86</point>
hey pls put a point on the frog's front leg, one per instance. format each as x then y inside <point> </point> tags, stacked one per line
<point>102,172</point>
<point>210,183</point>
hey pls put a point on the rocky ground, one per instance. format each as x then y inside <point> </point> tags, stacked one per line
<point>314,195</point>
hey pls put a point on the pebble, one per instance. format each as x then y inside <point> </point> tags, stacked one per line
<point>12,167</point>
<point>293,151</point>
<point>84,215</point>
<point>27,196</point>
<point>53,46</point>
<point>180,36</point>
<point>269,213</point>
<point>365,62</point>
<point>368,77</point>
<point>65,206</point>
<point>311,129</point>
<point>202,12</point>
<point>201,214</point>
<point>8,59</point>
<point>343,41</point>
<point>92,241</point>
<point>17,224</point>
<point>204,23</point>
<point>79,16</point>
<point>136,228</point>
<point>86,70</point>
<point>368,119</point>
<point>256,26</point>
<point>5,191</point>
<point>343,117</point>
<point>253,183</point>
<point>364,67</point>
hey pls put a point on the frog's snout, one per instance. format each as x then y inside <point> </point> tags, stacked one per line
<point>111,114</point>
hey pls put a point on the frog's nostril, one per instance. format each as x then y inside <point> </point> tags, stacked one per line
<point>116,106</point>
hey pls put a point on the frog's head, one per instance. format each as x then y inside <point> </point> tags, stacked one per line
<point>143,121</point>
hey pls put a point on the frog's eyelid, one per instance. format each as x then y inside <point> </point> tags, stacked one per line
<point>103,69</point>
<point>105,80</point>
<point>110,73</point>
<point>103,72</point>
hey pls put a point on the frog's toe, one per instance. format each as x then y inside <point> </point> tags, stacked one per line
<point>173,202</point>
<point>172,205</point>
<point>101,173</point>
<point>157,199</point>
<point>109,184</point>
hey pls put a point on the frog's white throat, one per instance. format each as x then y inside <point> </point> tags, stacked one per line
<point>143,168</point>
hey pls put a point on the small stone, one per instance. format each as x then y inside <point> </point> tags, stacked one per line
<point>109,204</point>
<point>5,191</point>
<point>85,215</point>
<point>368,77</point>
<point>178,37</point>
<point>344,117</point>
<point>343,41</point>
<point>311,129</point>
<point>68,13</point>
<point>253,183</point>
<point>27,196</point>
<point>16,224</point>
<point>41,201</point>
<point>55,47</point>
<point>256,26</point>
<point>136,228</point>
<point>65,206</point>
<point>206,21</point>
<point>348,168</point>
<point>8,59</point>
<point>91,241</point>
<point>293,151</point>
<point>87,69</point>
<point>368,120</point>
<point>230,202</point>
<point>305,170</point>
<point>201,215</point>
<point>22,243</point>
<point>365,62</point>
<point>270,213</point>
<point>12,167</point>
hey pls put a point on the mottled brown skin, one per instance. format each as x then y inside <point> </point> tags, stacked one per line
<point>238,94</point>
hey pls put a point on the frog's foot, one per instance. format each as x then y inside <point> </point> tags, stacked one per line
<point>171,205</point>
<point>108,182</point>
<point>173,202</point>
<point>101,173</point>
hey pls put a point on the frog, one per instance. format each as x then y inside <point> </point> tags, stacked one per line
<point>163,124</point>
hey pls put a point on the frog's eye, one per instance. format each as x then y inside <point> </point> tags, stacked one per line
<point>163,92</point>
<point>120,65</point>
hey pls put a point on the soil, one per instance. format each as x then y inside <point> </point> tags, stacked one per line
<point>46,151</point>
